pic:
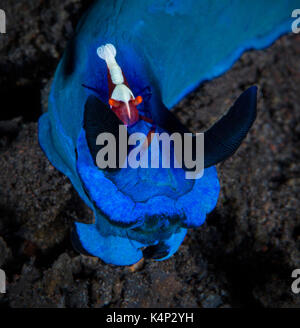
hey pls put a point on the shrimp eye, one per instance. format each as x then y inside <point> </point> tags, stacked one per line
<point>137,100</point>
<point>114,103</point>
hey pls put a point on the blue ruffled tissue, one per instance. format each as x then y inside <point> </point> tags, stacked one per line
<point>168,47</point>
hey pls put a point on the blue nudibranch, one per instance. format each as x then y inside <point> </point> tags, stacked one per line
<point>165,49</point>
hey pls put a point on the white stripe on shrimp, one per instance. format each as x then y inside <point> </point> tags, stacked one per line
<point>121,91</point>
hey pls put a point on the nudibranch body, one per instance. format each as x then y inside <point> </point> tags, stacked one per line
<point>164,50</point>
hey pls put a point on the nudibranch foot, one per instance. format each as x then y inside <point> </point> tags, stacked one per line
<point>75,240</point>
<point>165,249</point>
<point>120,249</point>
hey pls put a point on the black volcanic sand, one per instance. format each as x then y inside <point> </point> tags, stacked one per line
<point>242,256</point>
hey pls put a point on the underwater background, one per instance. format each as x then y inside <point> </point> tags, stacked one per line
<point>242,256</point>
